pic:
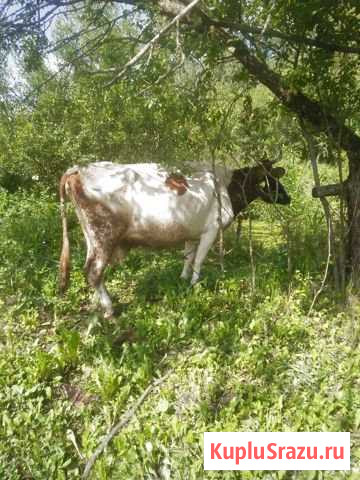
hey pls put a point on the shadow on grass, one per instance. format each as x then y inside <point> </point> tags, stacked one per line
<point>166,315</point>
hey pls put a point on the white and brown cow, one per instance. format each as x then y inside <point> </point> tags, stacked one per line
<point>144,205</point>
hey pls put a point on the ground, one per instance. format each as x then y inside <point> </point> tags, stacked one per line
<point>240,358</point>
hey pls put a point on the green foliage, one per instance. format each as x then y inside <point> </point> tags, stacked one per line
<point>188,101</point>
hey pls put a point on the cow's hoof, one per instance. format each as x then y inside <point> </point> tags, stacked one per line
<point>109,314</point>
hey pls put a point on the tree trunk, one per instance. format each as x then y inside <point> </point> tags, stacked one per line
<point>306,108</point>
<point>353,208</point>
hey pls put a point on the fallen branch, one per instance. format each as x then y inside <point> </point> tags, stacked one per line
<point>152,42</point>
<point>124,420</point>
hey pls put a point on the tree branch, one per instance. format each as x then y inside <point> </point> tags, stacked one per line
<point>320,191</point>
<point>306,108</point>
<point>270,33</point>
<point>152,42</point>
<point>326,207</point>
<point>295,100</point>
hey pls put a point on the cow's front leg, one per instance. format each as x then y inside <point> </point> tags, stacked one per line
<point>189,254</point>
<point>206,242</point>
<point>105,300</point>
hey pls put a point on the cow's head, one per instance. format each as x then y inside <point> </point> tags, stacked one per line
<point>269,188</point>
<point>262,181</point>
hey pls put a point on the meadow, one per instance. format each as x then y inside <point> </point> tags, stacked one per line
<point>241,350</point>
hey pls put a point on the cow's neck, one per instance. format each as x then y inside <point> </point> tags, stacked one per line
<point>241,194</point>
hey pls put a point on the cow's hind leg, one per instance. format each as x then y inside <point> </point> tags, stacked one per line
<point>96,265</point>
<point>93,267</point>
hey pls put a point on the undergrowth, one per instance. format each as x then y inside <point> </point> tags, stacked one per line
<point>241,357</point>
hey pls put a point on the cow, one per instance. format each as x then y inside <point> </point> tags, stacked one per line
<point>120,207</point>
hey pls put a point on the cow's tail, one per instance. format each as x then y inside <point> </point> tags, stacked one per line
<point>64,266</point>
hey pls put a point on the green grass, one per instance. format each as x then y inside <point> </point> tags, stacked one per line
<point>240,359</point>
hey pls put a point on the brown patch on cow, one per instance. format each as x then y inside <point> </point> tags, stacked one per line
<point>76,189</point>
<point>105,227</point>
<point>177,182</point>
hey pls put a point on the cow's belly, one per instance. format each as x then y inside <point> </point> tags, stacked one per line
<point>165,220</point>
<point>157,235</point>
<point>159,224</point>
<point>164,230</point>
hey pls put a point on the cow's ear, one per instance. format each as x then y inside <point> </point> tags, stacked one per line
<point>267,164</point>
<point>278,172</point>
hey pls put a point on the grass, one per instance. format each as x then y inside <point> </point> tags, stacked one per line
<point>240,359</point>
